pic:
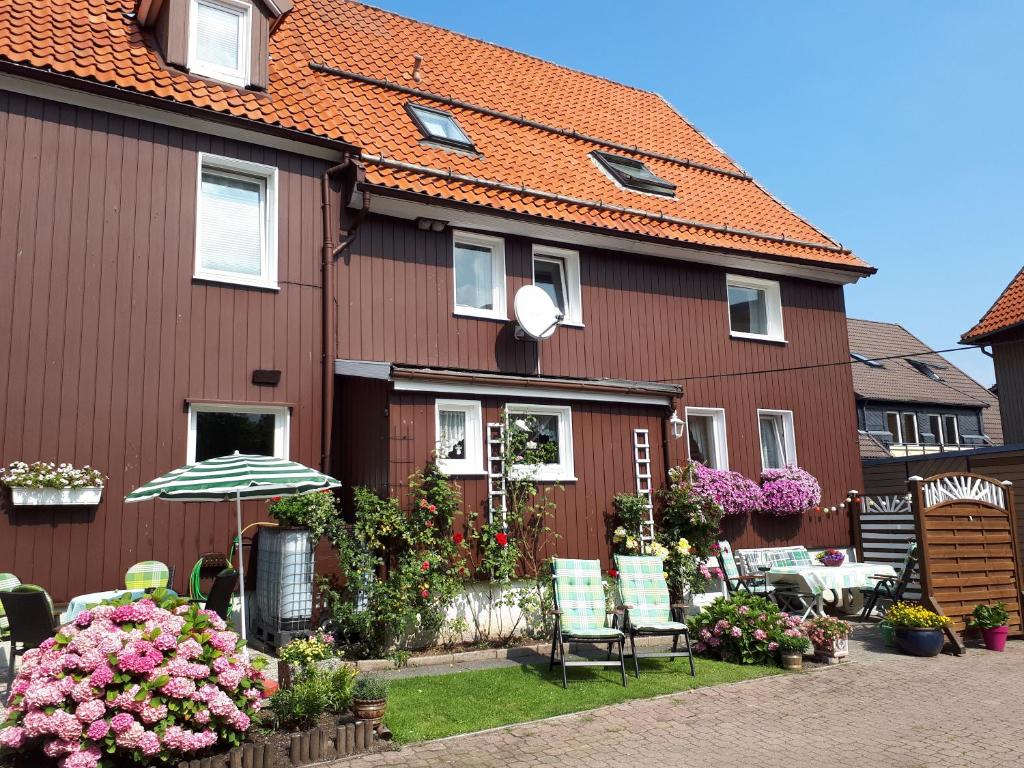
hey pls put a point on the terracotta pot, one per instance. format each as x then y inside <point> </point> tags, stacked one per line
<point>920,641</point>
<point>792,659</point>
<point>995,637</point>
<point>369,709</point>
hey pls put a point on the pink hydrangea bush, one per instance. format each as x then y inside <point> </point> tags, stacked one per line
<point>742,628</point>
<point>789,491</point>
<point>134,682</point>
<point>734,493</point>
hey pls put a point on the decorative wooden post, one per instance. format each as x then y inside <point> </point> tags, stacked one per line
<point>1011,510</point>
<point>856,506</point>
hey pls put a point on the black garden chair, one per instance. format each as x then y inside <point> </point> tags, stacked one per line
<point>219,599</point>
<point>30,616</point>
<point>889,588</point>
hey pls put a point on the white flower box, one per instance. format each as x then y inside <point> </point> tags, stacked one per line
<point>55,497</point>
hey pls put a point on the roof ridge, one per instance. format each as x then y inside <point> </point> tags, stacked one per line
<point>464,36</point>
<point>968,335</point>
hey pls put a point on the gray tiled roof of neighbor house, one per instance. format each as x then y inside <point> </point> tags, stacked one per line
<point>898,380</point>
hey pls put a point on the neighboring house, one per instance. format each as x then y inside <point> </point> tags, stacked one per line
<point>299,230</point>
<point>911,400</point>
<point>1002,329</point>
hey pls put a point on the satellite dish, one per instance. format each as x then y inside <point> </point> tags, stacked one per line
<point>536,314</point>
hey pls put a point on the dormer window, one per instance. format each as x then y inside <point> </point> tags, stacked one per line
<point>633,174</point>
<point>219,35</point>
<point>439,126</point>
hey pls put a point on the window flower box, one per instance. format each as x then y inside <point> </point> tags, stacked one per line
<point>55,497</point>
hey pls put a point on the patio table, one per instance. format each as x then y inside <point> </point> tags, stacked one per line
<point>815,579</point>
<point>85,602</point>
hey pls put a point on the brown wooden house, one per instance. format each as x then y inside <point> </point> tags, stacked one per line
<point>300,230</point>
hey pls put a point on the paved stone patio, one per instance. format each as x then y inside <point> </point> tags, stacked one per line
<point>881,709</point>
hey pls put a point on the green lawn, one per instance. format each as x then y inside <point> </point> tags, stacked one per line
<point>421,708</point>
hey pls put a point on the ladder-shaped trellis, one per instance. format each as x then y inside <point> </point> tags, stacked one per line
<point>496,504</point>
<point>644,482</point>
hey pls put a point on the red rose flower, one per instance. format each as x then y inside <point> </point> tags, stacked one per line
<point>457,538</point>
<point>430,523</point>
<point>275,500</point>
<point>431,508</point>
<point>502,539</point>
<point>425,593</point>
<point>612,572</point>
<point>423,503</point>
<point>425,566</point>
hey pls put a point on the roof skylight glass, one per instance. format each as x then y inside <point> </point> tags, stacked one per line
<point>928,369</point>
<point>866,360</point>
<point>634,174</point>
<point>438,125</point>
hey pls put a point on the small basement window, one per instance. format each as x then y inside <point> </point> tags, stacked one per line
<point>866,360</point>
<point>440,126</point>
<point>633,174</point>
<point>218,40</point>
<point>548,435</point>
<point>459,436</point>
<point>220,430</point>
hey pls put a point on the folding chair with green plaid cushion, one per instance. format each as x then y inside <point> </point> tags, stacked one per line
<point>735,581</point>
<point>149,574</point>
<point>581,615</point>
<point>7,581</point>
<point>647,608</point>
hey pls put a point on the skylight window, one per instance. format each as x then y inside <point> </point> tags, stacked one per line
<point>866,360</point>
<point>438,125</point>
<point>926,368</point>
<point>633,174</point>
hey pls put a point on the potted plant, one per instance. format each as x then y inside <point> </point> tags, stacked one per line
<point>792,649</point>
<point>992,620</point>
<point>829,637</point>
<point>918,631</point>
<point>833,558</point>
<point>369,699</point>
<point>44,483</point>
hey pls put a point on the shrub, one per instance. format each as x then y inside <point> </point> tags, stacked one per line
<point>306,652</point>
<point>743,628</point>
<point>989,616</point>
<point>793,643</point>
<point>826,631</point>
<point>788,491</point>
<point>915,617</point>
<point>370,688</point>
<point>630,511</point>
<point>317,511</point>
<point>733,492</point>
<point>46,474</point>
<point>313,695</point>
<point>134,682</point>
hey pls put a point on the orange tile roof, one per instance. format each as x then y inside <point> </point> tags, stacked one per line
<point>544,155</point>
<point>1007,312</point>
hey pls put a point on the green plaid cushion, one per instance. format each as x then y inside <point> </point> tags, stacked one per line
<point>149,574</point>
<point>800,556</point>
<point>579,593</point>
<point>7,581</point>
<point>725,556</point>
<point>642,585</point>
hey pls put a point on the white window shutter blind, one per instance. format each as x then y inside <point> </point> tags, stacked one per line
<point>218,35</point>
<point>231,224</point>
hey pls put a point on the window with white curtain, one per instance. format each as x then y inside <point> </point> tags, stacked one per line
<point>218,40</point>
<point>236,222</point>
<point>705,429</point>
<point>778,444</point>
<point>478,263</point>
<point>459,437</point>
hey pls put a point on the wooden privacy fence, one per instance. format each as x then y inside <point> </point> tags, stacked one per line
<point>966,529</point>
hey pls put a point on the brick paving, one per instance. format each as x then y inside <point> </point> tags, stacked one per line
<point>881,709</point>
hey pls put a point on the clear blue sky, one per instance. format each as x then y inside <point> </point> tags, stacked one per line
<point>895,127</point>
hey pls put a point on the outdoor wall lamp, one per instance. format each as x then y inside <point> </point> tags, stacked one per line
<point>678,425</point>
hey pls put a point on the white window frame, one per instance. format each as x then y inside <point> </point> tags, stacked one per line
<point>282,424</point>
<point>917,430</point>
<point>937,435</point>
<point>956,428</point>
<point>569,262</point>
<point>788,436</point>
<point>473,462</point>
<point>564,471</point>
<point>718,425</point>
<point>267,175</point>
<point>243,11</point>
<point>498,278</point>
<point>897,438</point>
<point>773,310</point>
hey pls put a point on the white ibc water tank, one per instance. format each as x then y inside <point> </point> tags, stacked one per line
<point>284,580</point>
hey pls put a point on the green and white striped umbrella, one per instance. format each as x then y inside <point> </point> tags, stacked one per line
<point>232,477</point>
<point>235,477</point>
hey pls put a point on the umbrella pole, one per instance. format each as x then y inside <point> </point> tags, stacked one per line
<point>241,568</point>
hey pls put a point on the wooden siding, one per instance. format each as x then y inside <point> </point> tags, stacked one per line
<point>361,441</point>
<point>644,319</point>
<point>1008,357</point>
<point>104,334</point>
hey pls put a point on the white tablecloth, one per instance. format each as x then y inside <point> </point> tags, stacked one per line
<point>841,580</point>
<point>91,600</point>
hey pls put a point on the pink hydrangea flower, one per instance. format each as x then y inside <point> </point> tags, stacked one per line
<point>773,646</point>
<point>736,632</point>
<point>760,634</point>
<point>98,730</point>
<point>85,758</point>
<point>121,722</point>
<point>91,710</point>
<point>12,737</point>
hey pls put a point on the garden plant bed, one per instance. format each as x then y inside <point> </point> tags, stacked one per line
<point>423,708</point>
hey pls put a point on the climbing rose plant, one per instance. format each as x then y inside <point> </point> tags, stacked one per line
<point>144,682</point>
<point>789,491</point>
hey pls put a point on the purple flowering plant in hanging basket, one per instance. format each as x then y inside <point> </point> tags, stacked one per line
<point>734,493</point>
<point>789,491</point>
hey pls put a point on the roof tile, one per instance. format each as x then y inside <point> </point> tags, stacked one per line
<point>1007,312</point>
